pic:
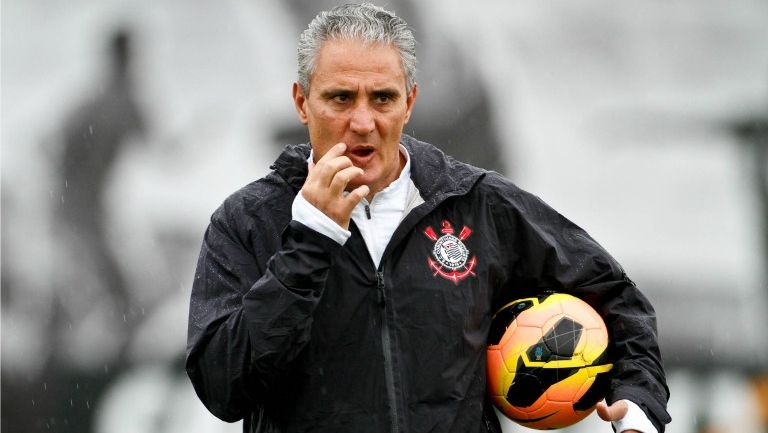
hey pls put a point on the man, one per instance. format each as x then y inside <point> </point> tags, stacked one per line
<point>320,302</point>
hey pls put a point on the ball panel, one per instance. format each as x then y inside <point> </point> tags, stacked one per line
<point>596,342</point>
<point>562,335</point>
<point>497,372</point>
<point>534,406</point>
<point>581,312</point>
<point>508,333</point>
<point>598,389</point>
<point>539,314</point>
<point>563,417</point>
<point>507,315</point>
<point>588,382</point>
<point>510,411</point>
<point>551,416</point>
<point>526,389</point>
<point>567,390</point>
<point>524,337</point>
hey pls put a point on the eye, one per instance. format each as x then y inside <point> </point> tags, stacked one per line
<point>383,98</point>
<point>340,98</point>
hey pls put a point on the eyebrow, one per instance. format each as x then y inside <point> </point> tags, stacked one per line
<point>384,91</point>
<point>387,91</point>
<point>329,93</point>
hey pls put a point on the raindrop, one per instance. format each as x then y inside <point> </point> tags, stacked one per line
<point>90,129</point>
<point>45,386</point>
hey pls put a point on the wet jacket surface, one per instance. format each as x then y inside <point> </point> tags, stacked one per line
<point>294,333</point>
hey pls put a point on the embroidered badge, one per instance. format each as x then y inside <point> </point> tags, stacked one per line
<point>451,257</point>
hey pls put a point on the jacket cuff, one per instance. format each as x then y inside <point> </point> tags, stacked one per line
<point>305,213</point>
<point>653,409</point>
<point>305,257</point>
<point>635,419</point>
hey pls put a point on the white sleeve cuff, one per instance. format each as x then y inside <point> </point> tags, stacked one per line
<point>635,419</point>
<point>303,212</point>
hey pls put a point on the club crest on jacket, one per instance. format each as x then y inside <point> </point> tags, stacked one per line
<point>450,257</point>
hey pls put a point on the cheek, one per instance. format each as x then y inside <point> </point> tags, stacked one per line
<point>394,123</point>
<point>328,122</point>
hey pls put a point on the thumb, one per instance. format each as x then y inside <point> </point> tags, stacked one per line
<point>614,412</point>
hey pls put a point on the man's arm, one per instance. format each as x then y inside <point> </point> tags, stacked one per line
<point>246,326</point>
<point>548,252</point>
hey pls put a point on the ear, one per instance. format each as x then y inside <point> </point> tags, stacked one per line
<point>410,100</point>
<point>299,100</point>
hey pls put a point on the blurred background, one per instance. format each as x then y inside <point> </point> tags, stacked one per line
<point>125,124</point>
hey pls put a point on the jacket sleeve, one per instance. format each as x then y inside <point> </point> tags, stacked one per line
<point>549,252</point>
<point>251,313</point>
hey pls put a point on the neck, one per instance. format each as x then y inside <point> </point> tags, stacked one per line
<point>387,182</point>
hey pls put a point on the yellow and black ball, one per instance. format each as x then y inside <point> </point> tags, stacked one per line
<point>547,360</point>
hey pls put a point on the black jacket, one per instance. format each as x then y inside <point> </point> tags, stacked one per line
<point>295,333</point>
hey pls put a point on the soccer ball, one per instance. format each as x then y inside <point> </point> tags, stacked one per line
<point>547,360</point>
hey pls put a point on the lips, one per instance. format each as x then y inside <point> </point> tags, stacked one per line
<point>361,155</point>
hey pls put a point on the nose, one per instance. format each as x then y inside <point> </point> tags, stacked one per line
<point>362,120</point>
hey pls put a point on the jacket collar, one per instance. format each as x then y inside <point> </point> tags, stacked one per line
<point>291,165</point>
<point>436,175</point>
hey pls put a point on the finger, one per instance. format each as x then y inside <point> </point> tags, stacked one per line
<point>355,196</point>
<point>330,154</point>
<point>324,171</point>
<point>343,177</point>
<point>614,412</point>
<point>345,206</point>
<point>335,151</point>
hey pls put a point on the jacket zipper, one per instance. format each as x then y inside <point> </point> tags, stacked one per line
<point>386,342</point>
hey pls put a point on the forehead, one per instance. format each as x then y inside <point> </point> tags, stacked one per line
<point>345,59</point>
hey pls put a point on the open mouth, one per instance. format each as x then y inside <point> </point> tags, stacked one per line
<point>362,152</point>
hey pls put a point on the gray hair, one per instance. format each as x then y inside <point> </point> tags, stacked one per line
<point>365,22</point>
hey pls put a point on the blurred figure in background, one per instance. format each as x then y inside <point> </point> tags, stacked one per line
<point>91,314</point>
<point>94,136</point>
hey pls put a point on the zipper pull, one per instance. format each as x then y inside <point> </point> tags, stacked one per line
<point>380,288</point>
<point>368,211</point>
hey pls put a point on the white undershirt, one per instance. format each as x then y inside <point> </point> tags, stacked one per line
<point>386,210</point>
<point>377,223</point>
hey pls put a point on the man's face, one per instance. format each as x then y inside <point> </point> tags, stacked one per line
<point>357,96</point>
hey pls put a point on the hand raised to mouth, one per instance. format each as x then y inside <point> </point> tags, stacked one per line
<point>327,181</point>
